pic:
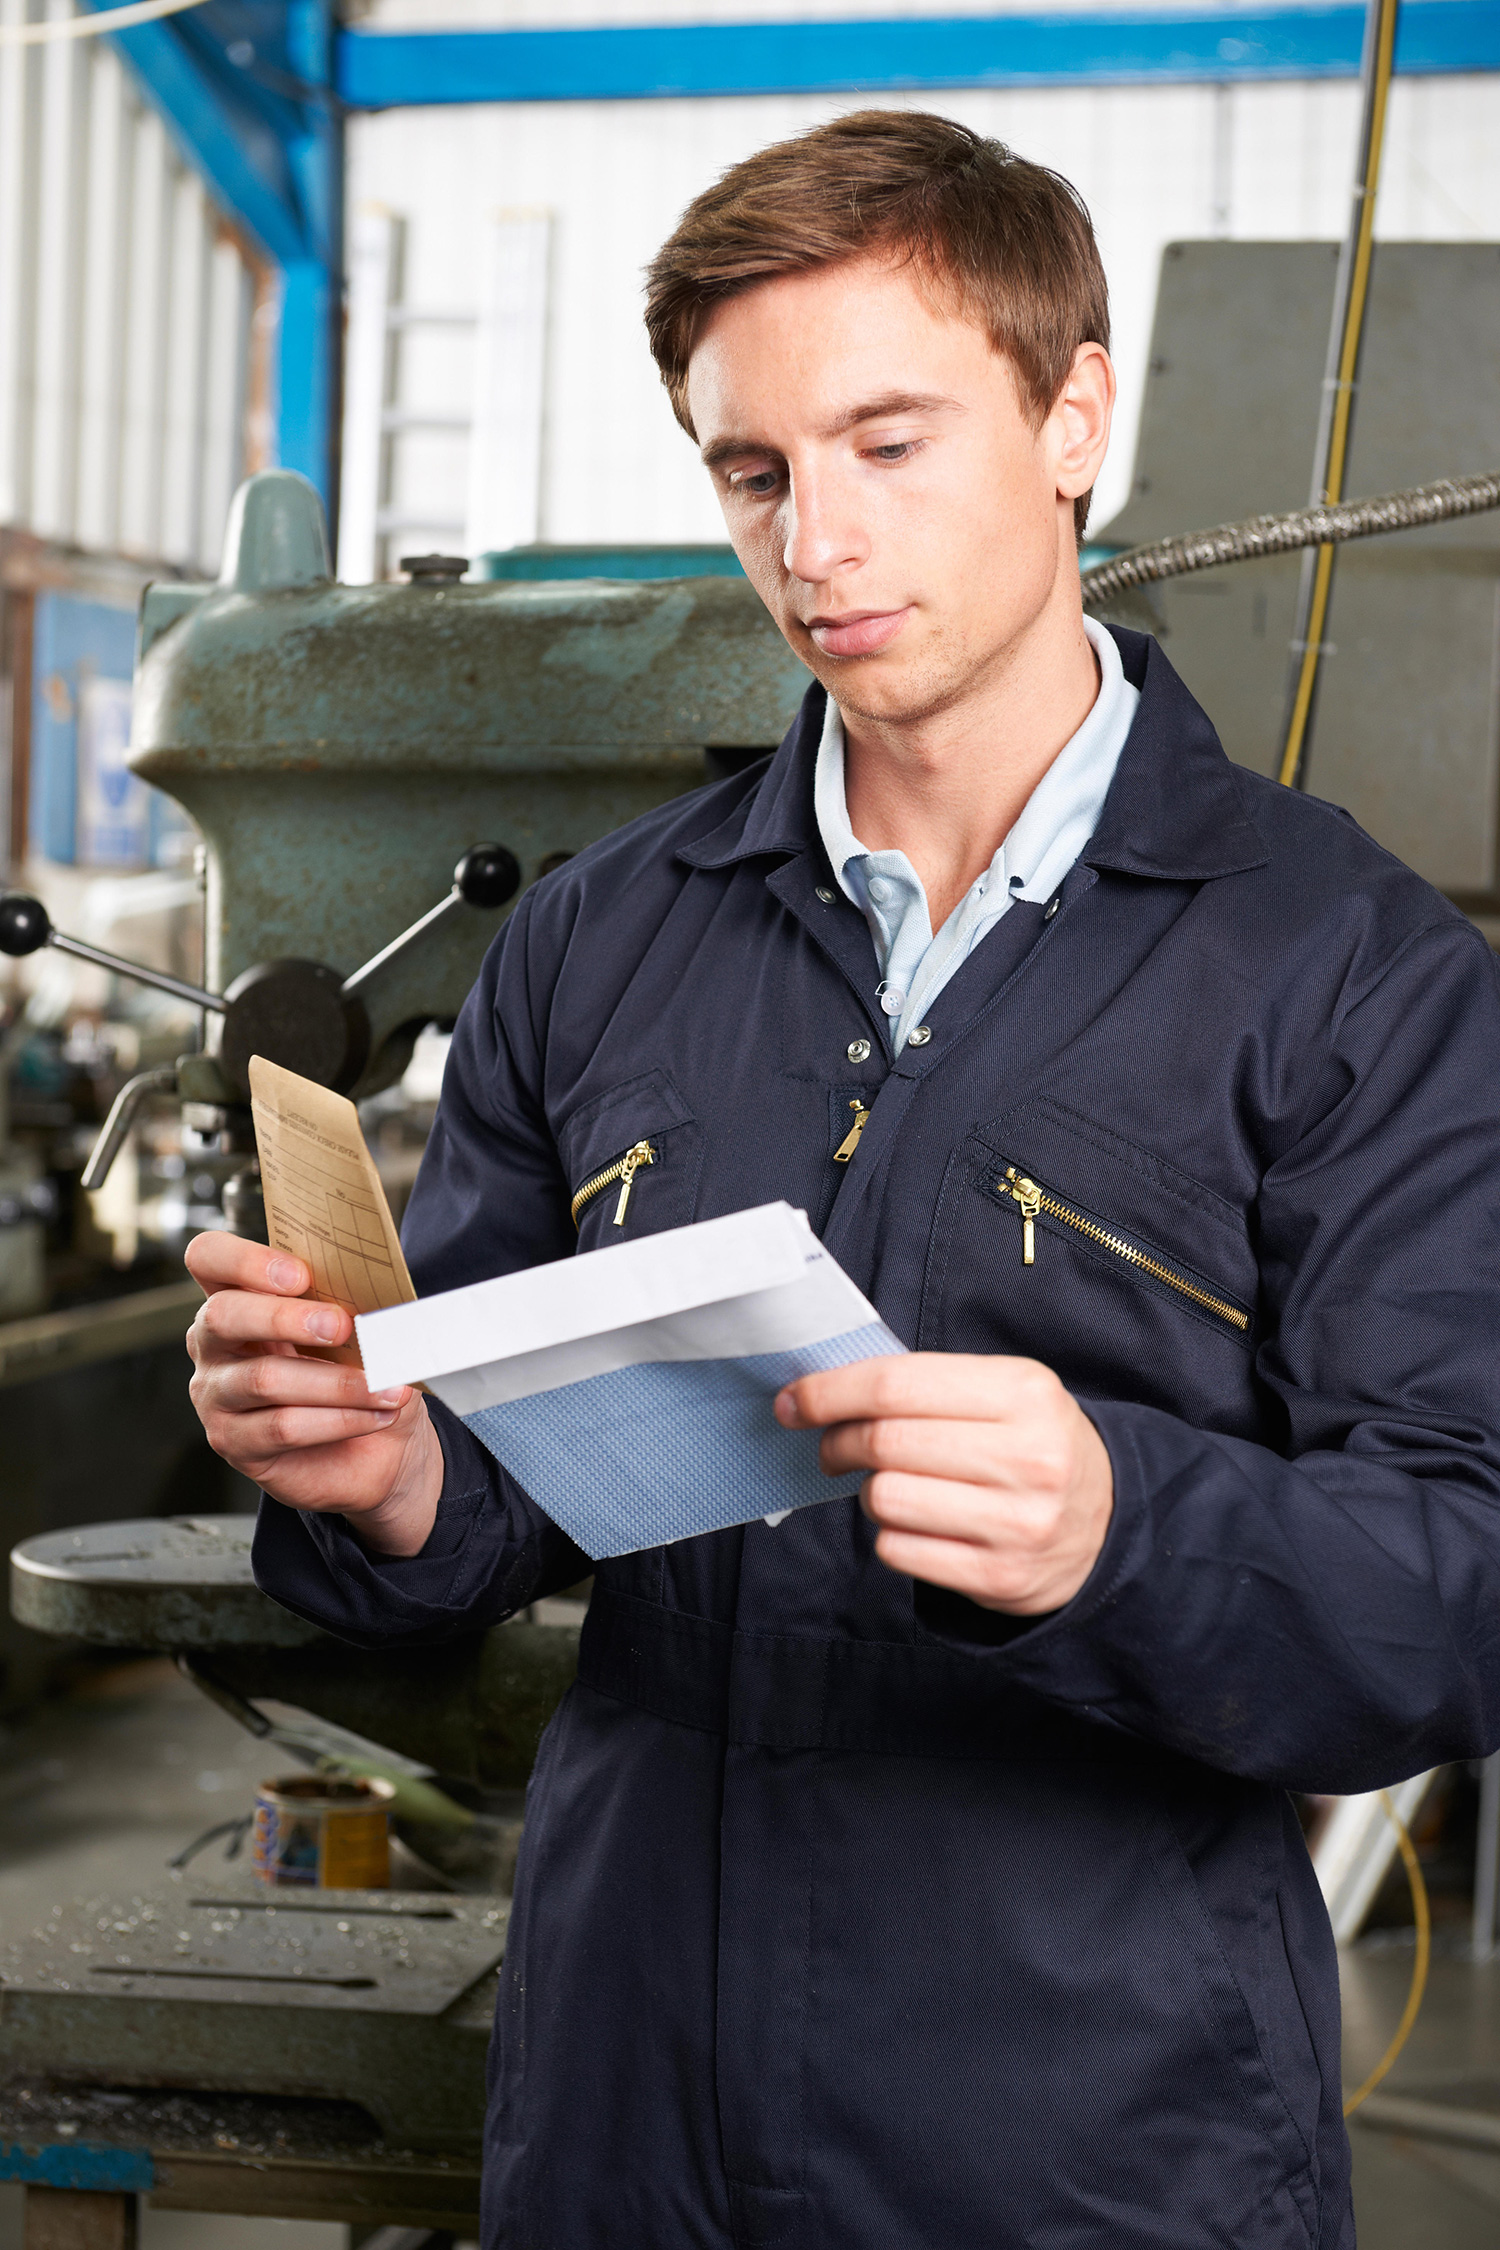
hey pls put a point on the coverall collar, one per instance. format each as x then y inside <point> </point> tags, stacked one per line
<point>1174,812</point>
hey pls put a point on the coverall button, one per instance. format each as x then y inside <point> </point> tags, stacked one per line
<point>1052,909</point>
<point>920,1036</point>
<point>858,1050</point>
<point>825,895</point>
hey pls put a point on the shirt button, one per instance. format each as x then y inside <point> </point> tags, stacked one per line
<point>880,889</point>
<point>825,895</point>
<point>920,1036</point>
<point>858,1050</point>
<point>893,1001</point>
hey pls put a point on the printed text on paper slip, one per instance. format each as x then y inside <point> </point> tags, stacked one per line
<point>325,1203</point>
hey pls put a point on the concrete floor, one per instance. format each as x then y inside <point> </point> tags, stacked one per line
<point>1409,2194</point>
<point>99,1791</point>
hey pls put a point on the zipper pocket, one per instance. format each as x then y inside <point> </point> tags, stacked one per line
<point>1034,1202</point>
<point>624,1170</point>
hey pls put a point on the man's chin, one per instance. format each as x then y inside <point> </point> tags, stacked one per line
<point>887,691</point>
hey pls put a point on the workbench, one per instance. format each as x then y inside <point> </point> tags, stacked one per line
<point>86,2155</point>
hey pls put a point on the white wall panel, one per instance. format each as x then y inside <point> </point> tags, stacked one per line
<point>373,248</point>
<point>1153,163</point>
<point>106,300</point>
<point>123,329</point>
<point>63,183</point>
<point>504,495</point>
<point>225,384</point>
<point>144,342</point>
<point>183,399</point>
<point>20,102</point>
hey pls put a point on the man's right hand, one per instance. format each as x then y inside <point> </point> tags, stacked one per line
<point>307,1430</point>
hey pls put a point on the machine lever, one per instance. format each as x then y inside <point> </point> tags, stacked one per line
<point>242,1712</point>
<point>25,927</point>
<point>120,1119</point>
<point>485,877</point>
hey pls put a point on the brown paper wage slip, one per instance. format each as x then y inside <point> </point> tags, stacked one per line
<point>325,1203</point>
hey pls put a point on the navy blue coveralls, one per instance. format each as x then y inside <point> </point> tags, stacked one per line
<point>851,1916</point>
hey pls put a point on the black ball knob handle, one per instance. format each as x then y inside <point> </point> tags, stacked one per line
<point>24,924</point>
<point>487,876</point>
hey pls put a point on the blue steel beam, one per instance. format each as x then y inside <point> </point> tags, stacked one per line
<point>244,86</point>
<point>244,170</point>
<point>398,69</point>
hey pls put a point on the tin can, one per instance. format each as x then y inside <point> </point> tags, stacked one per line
<point>314,1830</point>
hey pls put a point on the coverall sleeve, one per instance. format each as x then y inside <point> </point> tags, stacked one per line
<point>490,1198</point>
<point>1324,1612</point>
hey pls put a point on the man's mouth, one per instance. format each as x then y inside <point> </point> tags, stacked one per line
<point>861,633</point>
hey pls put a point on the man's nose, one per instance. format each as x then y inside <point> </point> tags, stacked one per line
<point>824,532</point>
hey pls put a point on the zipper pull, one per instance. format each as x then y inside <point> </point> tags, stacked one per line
<point>850,1143</point>
<point>631,1163</point>
<point>1029,1196</point>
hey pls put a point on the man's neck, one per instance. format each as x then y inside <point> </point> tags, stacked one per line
<point>947,788</point>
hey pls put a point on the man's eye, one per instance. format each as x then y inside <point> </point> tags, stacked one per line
<point>899,450</point>
<point>757,481</point>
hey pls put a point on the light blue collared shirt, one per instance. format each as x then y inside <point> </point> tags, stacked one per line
<point>1055,823</point>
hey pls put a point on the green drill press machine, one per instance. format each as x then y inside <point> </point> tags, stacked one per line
<point>376,772</point>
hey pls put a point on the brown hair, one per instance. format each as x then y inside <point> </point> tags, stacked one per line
<point>1010,241</point>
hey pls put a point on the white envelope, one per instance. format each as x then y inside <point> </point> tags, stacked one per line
<point>629,1390</point>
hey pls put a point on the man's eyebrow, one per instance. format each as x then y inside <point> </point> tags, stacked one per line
<point>865,410</point>
<point>730,449</point>
<point>891,402</point>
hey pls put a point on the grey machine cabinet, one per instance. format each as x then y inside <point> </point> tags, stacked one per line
<point>1406,735</point>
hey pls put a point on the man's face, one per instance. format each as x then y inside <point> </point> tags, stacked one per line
<point>902,520</point>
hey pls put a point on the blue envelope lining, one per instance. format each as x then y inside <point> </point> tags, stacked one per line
<point>663,1451</point>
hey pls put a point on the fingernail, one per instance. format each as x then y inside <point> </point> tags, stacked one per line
<point>785,1408</point>
<point>324,1323</point>
<point>389,1398</point>
<point>379,1421</point>
<point>284,1273</point>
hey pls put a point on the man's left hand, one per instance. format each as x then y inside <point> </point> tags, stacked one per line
<point>983,1474</point>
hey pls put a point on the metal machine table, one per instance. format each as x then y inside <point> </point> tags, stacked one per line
<point>86,2155</point>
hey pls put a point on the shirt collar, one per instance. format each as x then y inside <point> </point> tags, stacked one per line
<point>1174,811</point>
<point>1053,825</point>
<point>830,805</point>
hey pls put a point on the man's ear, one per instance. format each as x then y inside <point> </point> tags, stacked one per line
<point>1078,424</point>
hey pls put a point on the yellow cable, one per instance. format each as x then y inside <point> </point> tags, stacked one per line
<point>1424,1954</point>
<point>90,23</point>
<point>1343,403</point>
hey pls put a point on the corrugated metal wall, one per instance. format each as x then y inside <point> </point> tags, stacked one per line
<point>1155,163</point>
<point>125,314</point>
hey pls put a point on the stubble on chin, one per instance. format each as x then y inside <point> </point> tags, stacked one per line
<point>883,694</point>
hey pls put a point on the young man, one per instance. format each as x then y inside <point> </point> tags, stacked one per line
<point>922,1872</point>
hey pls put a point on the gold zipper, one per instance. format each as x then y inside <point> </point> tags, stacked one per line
<point>850,1143</point>
<point>624,1170</point>
<point>1033,1199</point>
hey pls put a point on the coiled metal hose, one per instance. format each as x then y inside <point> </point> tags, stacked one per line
<point>1280,535</point>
